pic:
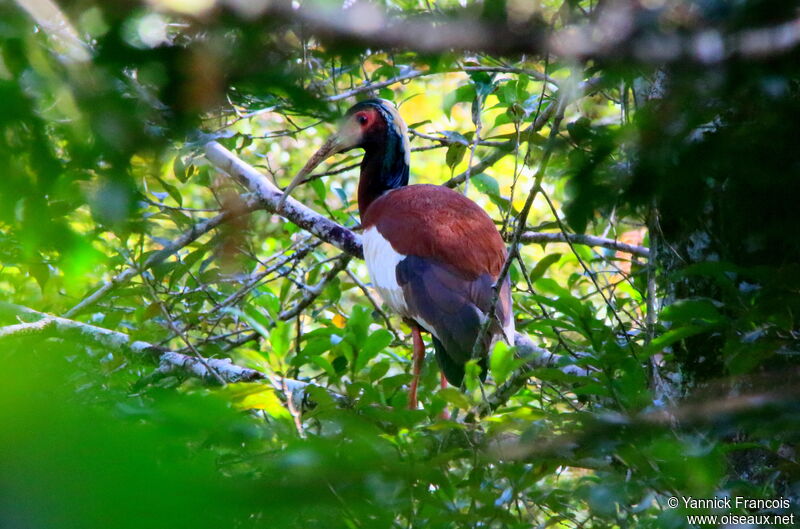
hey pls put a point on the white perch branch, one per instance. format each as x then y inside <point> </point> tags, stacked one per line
<point>270,195</point>
<point>343,238</point>
<point>170,362</point>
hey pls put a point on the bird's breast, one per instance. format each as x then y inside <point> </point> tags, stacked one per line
<point>382,261</point>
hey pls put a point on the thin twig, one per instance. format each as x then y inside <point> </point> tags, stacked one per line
<point>174,328</point>
<point>478,347</point>
<point>314,292</point>
<point>183,240</point>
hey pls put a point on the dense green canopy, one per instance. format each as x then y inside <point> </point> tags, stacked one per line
<point>179,353</point>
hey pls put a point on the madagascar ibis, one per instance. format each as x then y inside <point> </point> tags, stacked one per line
<point>432,253</point>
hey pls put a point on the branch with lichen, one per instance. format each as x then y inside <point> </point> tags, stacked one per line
<point>169,362</point>
<point>620,31</point>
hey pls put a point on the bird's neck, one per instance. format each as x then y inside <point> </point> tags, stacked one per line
<point>384,167</point>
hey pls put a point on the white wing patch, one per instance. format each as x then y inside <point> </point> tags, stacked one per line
<point>382,261</point>
<point>508,329</point>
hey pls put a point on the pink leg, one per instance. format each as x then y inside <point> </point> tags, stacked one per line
<point>419,356</point>
<point>445,415</point>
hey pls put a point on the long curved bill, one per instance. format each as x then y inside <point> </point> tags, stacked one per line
<point>328,149</point>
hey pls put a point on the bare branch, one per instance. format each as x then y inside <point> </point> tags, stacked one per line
<point>619,31</point>
<point>22,330</point>
<point>269,197</point>
<point>170,362</point>
<point>75,330</point>
<point>536,237</point>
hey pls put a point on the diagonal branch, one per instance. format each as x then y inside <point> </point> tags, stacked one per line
<point>535,358</point>
<point>314,292</point>
<point>522,219</point>
<point>269,196</point>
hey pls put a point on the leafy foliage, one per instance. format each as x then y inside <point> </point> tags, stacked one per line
<point>111,216</point>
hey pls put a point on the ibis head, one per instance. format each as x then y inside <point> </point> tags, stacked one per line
<point>375,126</point>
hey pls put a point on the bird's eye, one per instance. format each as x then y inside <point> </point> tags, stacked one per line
<point>362,119</point>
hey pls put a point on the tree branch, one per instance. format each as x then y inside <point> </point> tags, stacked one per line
<point>535,358</point>
<point>313,292</point>
<point>269,196</point>
<point>414,74</point>
<point>22,330</point>
<point>170,362</point>
<point>47,325</point>
<point>619,31</point>
<point>343,238</point>
<point>585,240</point>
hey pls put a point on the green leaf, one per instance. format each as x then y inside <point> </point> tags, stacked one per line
<point>342,194</point>
<point>501,362</point>
<point>692,311</point>
<point>317,345</point>
<point>319,188</point>
<point>173,192</point>
<point>675,335</point>
<point>455,153</point>
<point>325,365</point>
<point>419,124</point>
<point>378,370</point>
<point>253,317</point>
<point>461,95</point>
<point>179,169</point>
<point>522,85</point>
<point>269,301</point>
<point>358,324</point>
<point>542,266</point>
<point>454,397</point>
<point>489,186</point>
<point>486,184</point>
<point>472,373</point>
<point>375,343</point>
<point>279,338</point>
<point>483,82</point>
<point>187,264</point>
